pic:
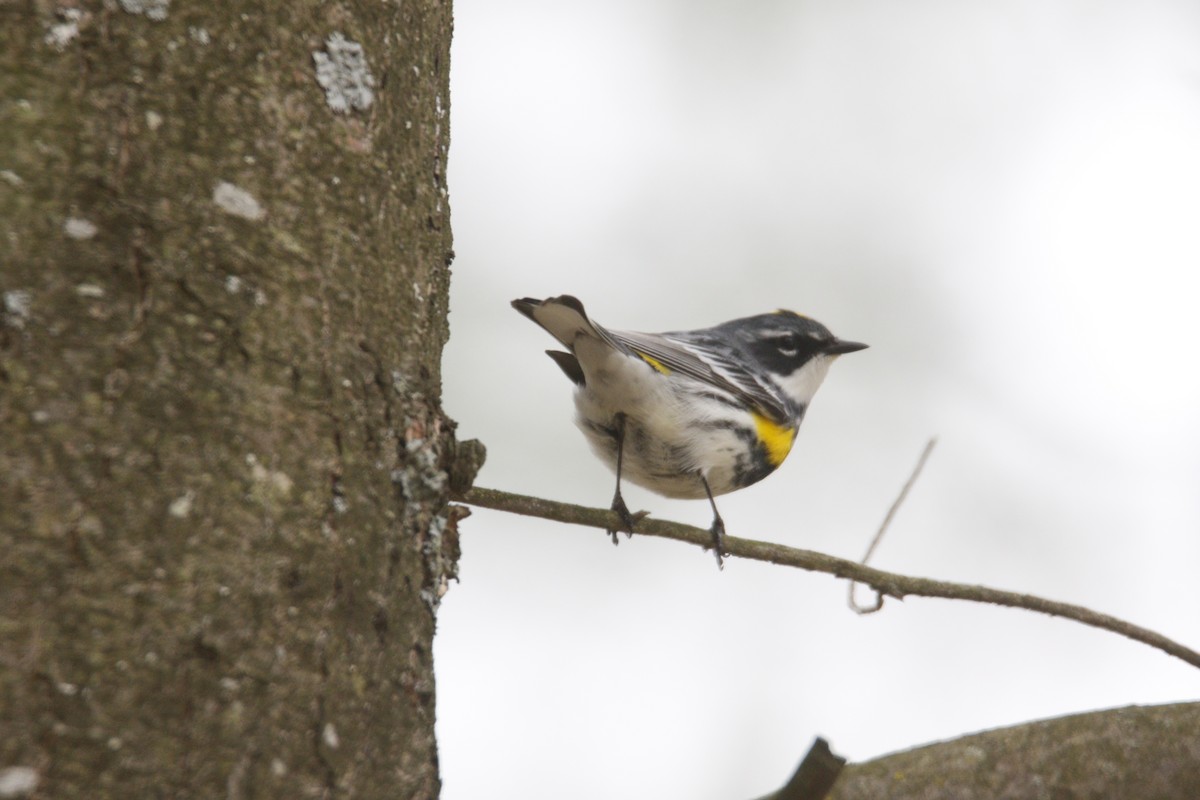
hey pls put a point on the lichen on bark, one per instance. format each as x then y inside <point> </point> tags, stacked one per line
<point>223,455</point>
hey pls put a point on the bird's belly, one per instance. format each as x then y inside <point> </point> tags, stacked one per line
<point>664,453</point>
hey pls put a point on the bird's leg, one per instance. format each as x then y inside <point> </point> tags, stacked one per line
<point>618,503</point>
<point>718,525</point>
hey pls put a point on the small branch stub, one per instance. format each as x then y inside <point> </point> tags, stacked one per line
<point>815,776</point>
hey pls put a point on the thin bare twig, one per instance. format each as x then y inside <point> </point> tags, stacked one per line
<point>887,583</point>
<point>887,520</point>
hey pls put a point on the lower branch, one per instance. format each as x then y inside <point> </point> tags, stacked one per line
<point>886,583</point>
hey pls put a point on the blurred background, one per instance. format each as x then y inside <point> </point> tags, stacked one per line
<point>1003,199</point>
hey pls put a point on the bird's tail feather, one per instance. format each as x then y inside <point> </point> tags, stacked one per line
<point>563,317</point>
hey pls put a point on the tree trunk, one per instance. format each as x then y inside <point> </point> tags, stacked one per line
<point>224,250</point>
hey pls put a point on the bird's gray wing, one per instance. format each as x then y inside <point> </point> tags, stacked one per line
<point>700,358</point>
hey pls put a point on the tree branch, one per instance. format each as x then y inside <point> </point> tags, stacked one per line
<point>886,583</point>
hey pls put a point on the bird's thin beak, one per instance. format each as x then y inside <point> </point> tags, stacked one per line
<point>839,347</point>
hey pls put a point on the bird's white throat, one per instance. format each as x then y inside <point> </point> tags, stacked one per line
<point>802,384</point>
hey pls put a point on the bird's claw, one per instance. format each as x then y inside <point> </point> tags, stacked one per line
<point>718,533</point>
<point>628,520</point>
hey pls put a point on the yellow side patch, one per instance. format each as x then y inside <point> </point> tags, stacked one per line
<point>775,438</point>
<point>654,362</point>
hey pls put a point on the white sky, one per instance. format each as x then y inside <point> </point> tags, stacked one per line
<point>1002,199</point>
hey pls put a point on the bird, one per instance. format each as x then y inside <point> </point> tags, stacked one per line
<point>689,414</point>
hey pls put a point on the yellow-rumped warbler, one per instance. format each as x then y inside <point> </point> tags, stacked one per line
<point>690,414</point>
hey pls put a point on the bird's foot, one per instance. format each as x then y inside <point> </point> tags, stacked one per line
<point>628,520</point>
<point>718,534</point>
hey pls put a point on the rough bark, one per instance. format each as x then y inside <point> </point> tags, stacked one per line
<point>1142,752</point>
<point>223,467</point>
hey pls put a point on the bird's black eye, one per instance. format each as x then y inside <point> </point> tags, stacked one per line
<point>787,346</point>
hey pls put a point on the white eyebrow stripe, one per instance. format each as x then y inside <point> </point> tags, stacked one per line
<point>789,334</point>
